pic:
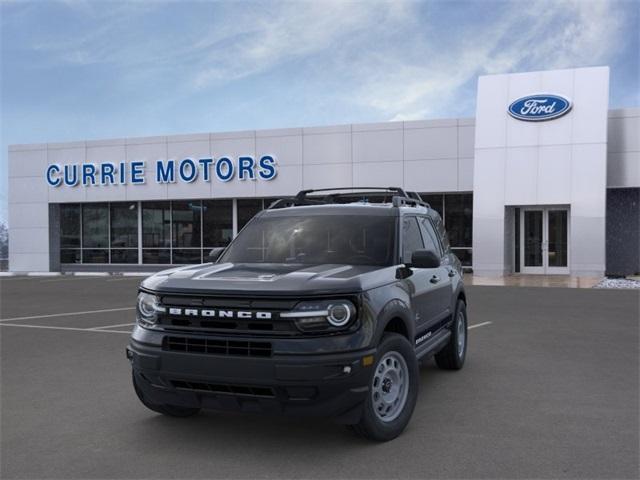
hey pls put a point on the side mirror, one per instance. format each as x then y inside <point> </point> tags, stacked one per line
<point>425,259</point>
<point>215,253</point>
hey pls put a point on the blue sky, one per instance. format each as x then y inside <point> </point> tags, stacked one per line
<point>75,70</point>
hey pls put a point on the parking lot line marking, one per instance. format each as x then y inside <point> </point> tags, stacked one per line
<point>112,326</point>
<point>88,312</point>
<point>62,328</point>
<point>479,325</point>
<point>71,279</point>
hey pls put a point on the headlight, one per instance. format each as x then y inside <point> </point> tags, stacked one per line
<point>148,308</point>
<point>323,315</point>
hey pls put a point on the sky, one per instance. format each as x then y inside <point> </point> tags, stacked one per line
<point>79,70</point>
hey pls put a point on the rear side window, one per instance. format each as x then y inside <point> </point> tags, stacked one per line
<point>411,238</point>
<point>442,233</point>
<point>431,241</point>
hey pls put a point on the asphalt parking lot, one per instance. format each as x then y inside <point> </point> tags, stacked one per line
<point>550,390</point>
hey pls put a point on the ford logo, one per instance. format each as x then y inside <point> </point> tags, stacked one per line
<point>536,108</point>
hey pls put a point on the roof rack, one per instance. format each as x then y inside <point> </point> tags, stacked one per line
<point>399,196</point>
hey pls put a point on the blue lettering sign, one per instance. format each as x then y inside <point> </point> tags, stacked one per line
<point>51,180</point>
<point>137,173</point>
<point>267,168</point>
<point>165,174</point>
<point>189,174</point>
<point>224,169</point>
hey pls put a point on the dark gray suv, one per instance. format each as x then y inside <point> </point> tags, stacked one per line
<point>322,305</point>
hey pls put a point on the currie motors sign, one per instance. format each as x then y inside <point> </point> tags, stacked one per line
<point>540,107</point>
<point>187,170</point>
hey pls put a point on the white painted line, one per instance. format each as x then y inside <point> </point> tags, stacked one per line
<point>91,274</point>
<point>88,312</point>
<point>66,278</point>
<point>112,326</point>
<point>43,274</point>
<point>7,274</point>
<point>62,328</point>
<point>119,279</point>
<point>479,325</point>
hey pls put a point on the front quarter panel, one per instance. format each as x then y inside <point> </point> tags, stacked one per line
<point>383,304</point>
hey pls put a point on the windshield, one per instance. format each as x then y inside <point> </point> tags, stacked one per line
<point>316,240</point>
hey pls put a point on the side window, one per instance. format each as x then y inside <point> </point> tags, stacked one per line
<point>430,237</point>
<point>411,238</point>
<point>442,233</point>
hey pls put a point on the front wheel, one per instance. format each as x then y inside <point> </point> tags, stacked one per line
<point>393,390</point>
<point>452,356</point>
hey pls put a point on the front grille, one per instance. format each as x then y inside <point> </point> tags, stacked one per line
<point>217,346</point>
<point>274,326</point>
<point>246,390</point>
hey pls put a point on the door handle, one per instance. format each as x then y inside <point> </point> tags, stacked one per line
<point>452,273</point>
<point>435,279</point>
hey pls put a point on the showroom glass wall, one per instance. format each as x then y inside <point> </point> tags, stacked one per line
<point>456,210</point>
<point>157,232</point>
<point>184,231</point>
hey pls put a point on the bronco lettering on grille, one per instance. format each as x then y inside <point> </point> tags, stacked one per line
<point>208,313</point>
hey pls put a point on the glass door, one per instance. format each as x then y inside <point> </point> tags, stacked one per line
<point>544,240</point>
<point>557,242</point>
<point>532,241</point>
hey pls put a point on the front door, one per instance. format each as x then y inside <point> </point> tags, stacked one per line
<point>544,240</point>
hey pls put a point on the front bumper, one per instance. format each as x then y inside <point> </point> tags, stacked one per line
<point>327,385</point>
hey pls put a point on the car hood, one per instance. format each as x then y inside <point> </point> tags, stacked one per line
<point>259,279</point>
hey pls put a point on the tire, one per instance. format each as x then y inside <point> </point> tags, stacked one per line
<point>394,377</point>
<point>452,356</point>
<point>169,410</point>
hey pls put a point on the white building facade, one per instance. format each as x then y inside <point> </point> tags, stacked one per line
<point>545,179</point>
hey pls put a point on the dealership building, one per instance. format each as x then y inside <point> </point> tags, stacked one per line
<point>544,180</point>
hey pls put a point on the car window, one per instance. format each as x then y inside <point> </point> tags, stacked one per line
<point>411,238</point>
<point>431,241</point>
<point>442,233</point>
<point>316,240</point>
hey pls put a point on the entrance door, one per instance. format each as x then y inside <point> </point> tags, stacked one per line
<point>544,240</point>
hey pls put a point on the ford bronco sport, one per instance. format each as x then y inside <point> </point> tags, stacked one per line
<point>322,305</point>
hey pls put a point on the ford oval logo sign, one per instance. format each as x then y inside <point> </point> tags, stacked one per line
<point>536,108</point>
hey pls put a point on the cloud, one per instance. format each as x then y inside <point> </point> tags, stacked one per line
<point>539,35</point>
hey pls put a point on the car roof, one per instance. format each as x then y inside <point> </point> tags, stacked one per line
<point>353,208</point>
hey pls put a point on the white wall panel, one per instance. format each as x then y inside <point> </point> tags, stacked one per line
<point>377,146</point>
<point>27,190</point>
<point>465,174</point>
<point>29,240</point>
<point>521,174</point>
<point>431,175</point>
<point>327,148</point>
<point>28,215</point>
<point>27,163</point>
<point>378,173</point>
<point>491,122</point>
<point>591,105</point>
<point>554,175</point>
<point>327,176</point>
<point>430,143</point>
<point>287,149</point>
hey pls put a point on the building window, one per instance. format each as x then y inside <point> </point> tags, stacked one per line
<point>124,232</point>
<point>70,238</point>
<point>456,210</point>
<point>247,209</point>
<point>458,220</point>
<point>186,225</point>
<point>217,224</point>
<point>435,200</point>
<point>95,233</point>
<point>156,232</point>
